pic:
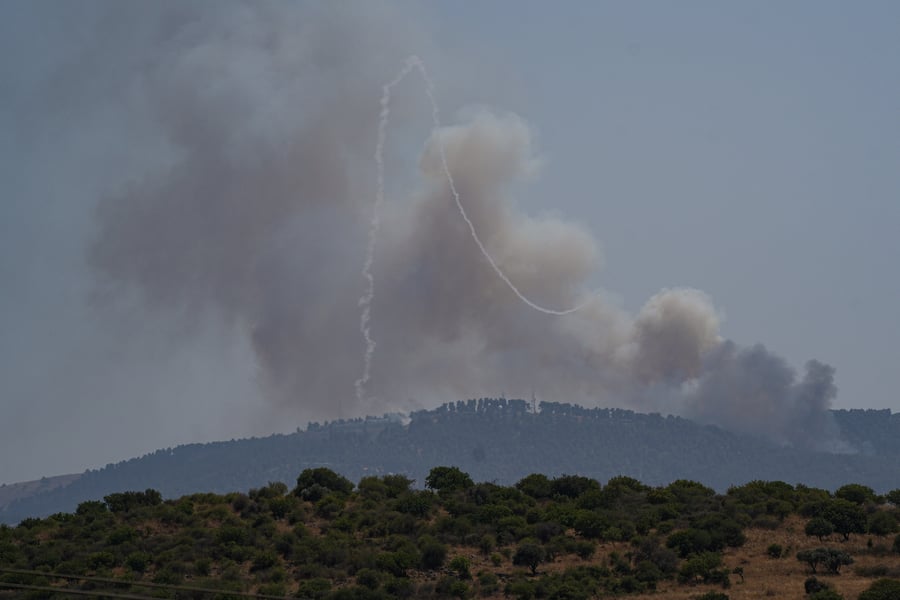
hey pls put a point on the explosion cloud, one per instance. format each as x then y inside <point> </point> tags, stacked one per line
<point>259,218</point>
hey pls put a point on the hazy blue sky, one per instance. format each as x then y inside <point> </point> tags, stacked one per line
<point>750,150</point>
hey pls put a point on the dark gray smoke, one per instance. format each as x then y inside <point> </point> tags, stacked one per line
<point>259,219</point>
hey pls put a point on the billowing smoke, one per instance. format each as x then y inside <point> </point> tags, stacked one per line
<point>259,219</point>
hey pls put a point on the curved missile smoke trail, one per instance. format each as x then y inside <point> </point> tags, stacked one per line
<point>365,301</point>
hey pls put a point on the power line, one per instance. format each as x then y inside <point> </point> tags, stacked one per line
<point>185,588</point>
<point>59,590</point>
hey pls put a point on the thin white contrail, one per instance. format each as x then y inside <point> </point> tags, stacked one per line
<point>365,301</point>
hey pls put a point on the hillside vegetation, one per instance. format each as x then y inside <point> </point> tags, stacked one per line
<point>565,537</point>
<point>497,440</point>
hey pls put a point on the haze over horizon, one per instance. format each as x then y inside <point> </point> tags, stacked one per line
<point>187,189</point>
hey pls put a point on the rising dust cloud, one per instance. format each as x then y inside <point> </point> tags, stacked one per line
<point>262,219</point>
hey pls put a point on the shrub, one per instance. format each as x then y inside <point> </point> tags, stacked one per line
<point>100,560</point>
<point>264,560</point>
<point>872,571</point>
<point>450,586</point>
<point>488,584</point>
<point>584,549</point>
<point>827,594</point>
<point>314,588</point>
<point>460,566</point>
<point>813,585</point>
<point>203,567</point>
<point>883,589</point>
<point>774,550</point>
<point>126,501</point>
<point>368,578</point>
<point>703,567</point>
<point>138,561</point>
<point>711,596</point>
<point>433,554</point>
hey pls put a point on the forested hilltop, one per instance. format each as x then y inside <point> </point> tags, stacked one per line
<point>565,538</point>
<point>497,440</point>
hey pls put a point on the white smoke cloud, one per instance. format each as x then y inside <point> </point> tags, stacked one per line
<point>271,113</point>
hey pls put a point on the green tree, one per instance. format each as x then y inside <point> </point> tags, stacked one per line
<point>319,481</point>
<point>819,528</point>
<point>836,559</point>
<point>893,497</point>
<point>536,485</point>
<point>882,523</point>
<point>813,558</point>
<point>126,501</point>
<point>855,493</point>
<point>529,555</point>
<point>846,517</point>
<point>572,486</point>
<point>447,479</point>
<point>831,558</point>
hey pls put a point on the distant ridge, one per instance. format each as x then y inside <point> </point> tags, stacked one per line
<point>494,440</point>
<point>12,492</point>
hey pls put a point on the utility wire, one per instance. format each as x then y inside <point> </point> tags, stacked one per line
<point>184,588</point>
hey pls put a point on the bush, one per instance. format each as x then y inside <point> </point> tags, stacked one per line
<point>264,560</point>
<point>883,589</point>
<point>100,560</point>
<point>488,584</point>
<point>368,578</point>
<point>314,588</point>
<point>584,549</point>
<point>872,571</point>
<point>433,554</point>
<point>450,586</point>
<point>774,550</point>
<point>460,566</point>
<point>703,567</point>
<point>138,561</point>
<point>813,585</point>
<point>711,596</point>
<point>126,501</point>
<point>827,594</point>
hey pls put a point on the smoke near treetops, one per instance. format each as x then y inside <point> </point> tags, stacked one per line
<point>259,217</point>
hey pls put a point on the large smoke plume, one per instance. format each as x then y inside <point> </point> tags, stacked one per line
<point>260,217</point>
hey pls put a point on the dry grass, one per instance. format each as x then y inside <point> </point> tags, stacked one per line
<point>764,577</point>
